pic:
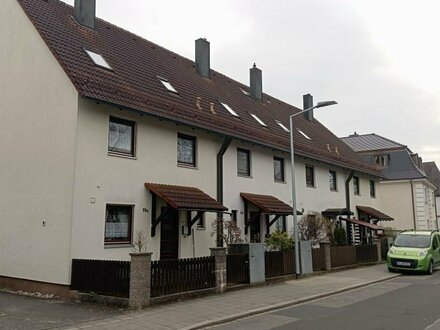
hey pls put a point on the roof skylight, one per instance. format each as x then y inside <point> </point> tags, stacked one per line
<point>303,134</point>
<point>245,92</point>
<point>98,59</point>
<point>227,107</point>
<point>282,126</point>
<point>259,120</point>
<point>167,85</point>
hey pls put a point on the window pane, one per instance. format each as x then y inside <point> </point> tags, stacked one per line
<point>120,137</point>
<point>243,165</point>
<point>332,180</point>
<point>372,189</point>
<point>186,149</point>
<point>356,185</point>
<point>281,224</point>
<point>310,180</point>
<point>118,224</point>
<point>278,167</point>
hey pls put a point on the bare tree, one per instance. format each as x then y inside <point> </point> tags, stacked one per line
<point>228,231</point>
<point>313,227</point>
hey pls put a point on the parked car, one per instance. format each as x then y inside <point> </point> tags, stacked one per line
<point>416,251</point>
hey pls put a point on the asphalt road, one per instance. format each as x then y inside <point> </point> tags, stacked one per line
<point>408,302</point>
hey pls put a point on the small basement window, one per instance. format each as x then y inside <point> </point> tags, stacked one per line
<point>98,59</point>
<point>227,107</point>
<point>303,134</point>
<point>282,126</point>
<point>167,85</point>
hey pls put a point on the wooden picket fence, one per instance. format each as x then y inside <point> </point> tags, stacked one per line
<point>318,259</point>
<point>182,275</point>
<point>366,253</point>
<point>279,263</point>
<point>104,277</point>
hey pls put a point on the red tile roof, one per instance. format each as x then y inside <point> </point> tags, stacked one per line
<point>185,198</point>
<point>373,213</point>
<point>133,85</point>
<point>267,204</point>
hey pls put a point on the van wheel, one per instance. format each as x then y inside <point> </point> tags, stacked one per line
<point>430,268</point>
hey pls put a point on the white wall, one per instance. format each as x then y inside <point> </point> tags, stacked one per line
<point>112,179</point>
<point>309,199</point>
<point>37,136</point>
<point>399,198</point>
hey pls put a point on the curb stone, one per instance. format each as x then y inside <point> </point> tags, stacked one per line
<point>261,310</point>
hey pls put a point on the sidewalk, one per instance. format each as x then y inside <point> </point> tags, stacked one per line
<point>216,309</point>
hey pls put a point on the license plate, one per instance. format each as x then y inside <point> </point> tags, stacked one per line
<point>403,263</point>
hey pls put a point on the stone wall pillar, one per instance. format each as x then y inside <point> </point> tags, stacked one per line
<point>327,253</point>
<point>140,280</point>
<point>378,243</point>
<point>219,253</point>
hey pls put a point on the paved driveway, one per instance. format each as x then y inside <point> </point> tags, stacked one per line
<point>23,312</point>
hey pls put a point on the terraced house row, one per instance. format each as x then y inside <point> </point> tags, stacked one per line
<point>104,134</point>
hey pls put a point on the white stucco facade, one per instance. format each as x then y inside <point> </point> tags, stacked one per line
<point>410,202</point>
<point>57,175</point>
<point>309,199</point>
<point>104,178</point>
<point>37,143</point>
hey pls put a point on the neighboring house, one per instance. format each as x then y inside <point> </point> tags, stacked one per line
<point>104,134</point>
<point>433,174</point>
<point>406,191</point>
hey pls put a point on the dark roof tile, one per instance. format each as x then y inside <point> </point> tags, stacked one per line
<point>133,84</point>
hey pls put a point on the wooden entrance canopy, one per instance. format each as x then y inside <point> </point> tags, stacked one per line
<point>181,198</point>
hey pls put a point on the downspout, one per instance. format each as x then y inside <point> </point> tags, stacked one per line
<point>347,190</point>
<point>413,206</point>
<point>225,145</point>
<point>347,201</point>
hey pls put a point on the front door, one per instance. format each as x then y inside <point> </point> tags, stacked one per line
<point>255,229</point>
<point>169,235</point>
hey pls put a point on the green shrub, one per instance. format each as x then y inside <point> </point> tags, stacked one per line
<point>279,241</point>
<point>340,236</point>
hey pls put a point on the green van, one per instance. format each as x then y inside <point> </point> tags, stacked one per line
<point>416,251</point>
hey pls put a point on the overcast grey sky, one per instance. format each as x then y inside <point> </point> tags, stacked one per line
<point>378,58</point>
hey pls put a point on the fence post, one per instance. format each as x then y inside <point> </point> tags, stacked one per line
<point>219,253</point>
<point>378,243</point>
<point>140,280</point>
<point>328,259</point>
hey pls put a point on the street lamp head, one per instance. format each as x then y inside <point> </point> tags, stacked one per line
<point>325,104</point>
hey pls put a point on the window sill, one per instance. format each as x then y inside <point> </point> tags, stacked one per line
<point>188,166</point>
<point>117,245</point>
<point>201,228</point>
<point>280,181</point>
<point>244,176</point>
<point>314,187</point>
<point>115,154</point>
<point>334,190</point>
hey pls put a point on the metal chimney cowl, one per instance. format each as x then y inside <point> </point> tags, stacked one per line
<point>85,13</point>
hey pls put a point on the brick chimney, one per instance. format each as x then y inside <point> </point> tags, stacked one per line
<point>256,82</point>
<point>85,12</point>
<point>203,57</point>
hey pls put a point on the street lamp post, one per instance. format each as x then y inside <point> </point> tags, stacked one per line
<point>292,164</point>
